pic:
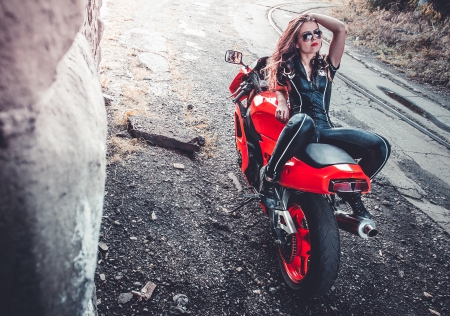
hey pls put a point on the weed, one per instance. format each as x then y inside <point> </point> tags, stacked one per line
<point>412,43</point>
<point>120,148</point>
<point>210,145</point>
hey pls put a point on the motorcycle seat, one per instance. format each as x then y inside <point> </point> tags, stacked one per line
<point>323,155</point>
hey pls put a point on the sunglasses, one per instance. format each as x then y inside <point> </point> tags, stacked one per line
<point>307,36</point>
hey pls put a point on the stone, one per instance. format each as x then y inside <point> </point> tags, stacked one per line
<point>434,312</point>
<point>124,298</point>
<point>272,290</point>
<point>256,291</point>
<point>118,276</point>
<point>180,303</point>
<point>178,166</point>
<point>49,105</point>
<point>153,131</point>
<point>103,247</point>
<point>147,290</point>
<point>102,277</point>
<point>133,238</point>
<point>92,28</point>
<point>53,159</point>
<point>239,269</point>
<point>108,99</point>
<point>235,181</point>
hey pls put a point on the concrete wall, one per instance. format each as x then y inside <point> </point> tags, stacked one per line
<point>52,155</point>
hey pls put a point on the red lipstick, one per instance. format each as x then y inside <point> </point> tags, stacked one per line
<point>314,44</point>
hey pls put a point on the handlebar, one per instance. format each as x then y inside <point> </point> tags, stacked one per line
<point>240,95</point>
<point>254,79</point>
<point>252,83</point>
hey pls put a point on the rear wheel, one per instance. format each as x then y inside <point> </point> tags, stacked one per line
<point>309,261</point>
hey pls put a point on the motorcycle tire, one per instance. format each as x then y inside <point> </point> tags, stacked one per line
<point>309,262</point>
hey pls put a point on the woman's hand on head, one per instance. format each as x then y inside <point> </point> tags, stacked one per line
<point>282,112</point>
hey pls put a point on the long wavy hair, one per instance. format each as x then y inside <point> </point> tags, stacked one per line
<point>286,51</point>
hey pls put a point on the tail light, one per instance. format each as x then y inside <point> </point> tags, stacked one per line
<point>348,185</point>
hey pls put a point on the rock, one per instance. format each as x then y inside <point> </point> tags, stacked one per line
<point>256,291</point>
<point>117,223</point>
<point>146,292</point>
<point>137,283</point>
<point>124,298</point>
<point>52,149</point>
<point>427,294</point>
<point>153,130</point>
<point>133,238</point>
<point>180,303</point>
<point>235,181</point>
<point>201,141</point>
<point>178,166</point>
<point>93,27</point>
<point>102,277</point>
<point>103,247</point>
<point>108,99</point>
<point>118,276</point>
<point>239,269</point>
<point>272,290</point>
<point>434,312</point>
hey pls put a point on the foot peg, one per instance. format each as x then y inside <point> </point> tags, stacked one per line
<point>254,196</point>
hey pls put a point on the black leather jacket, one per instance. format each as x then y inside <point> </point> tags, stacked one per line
<point>310,97</point>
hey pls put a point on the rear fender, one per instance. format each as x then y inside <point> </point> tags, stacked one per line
<point>298,175</point>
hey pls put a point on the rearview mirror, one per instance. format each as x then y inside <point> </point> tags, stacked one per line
<point>233,57</point>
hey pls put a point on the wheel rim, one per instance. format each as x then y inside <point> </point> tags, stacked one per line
<point>295,257</point>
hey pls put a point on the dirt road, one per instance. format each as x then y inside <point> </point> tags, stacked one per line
<point>173,227</point>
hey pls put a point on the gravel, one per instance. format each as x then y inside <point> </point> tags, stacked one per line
<point>173,227</point>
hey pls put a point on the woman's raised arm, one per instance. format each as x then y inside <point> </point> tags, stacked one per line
<point>338,41</point>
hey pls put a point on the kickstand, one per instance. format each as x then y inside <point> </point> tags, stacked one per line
<point>248,198</point>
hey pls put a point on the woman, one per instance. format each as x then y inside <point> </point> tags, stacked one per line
<point>296,71</point>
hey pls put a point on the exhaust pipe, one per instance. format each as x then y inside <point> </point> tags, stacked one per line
<point>362,227</point>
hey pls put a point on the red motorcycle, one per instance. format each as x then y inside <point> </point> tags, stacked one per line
<point>308,217</point>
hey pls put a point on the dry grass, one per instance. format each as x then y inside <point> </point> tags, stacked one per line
<point>121,149</point>
<point>210,145</point>
<point>414,44</point>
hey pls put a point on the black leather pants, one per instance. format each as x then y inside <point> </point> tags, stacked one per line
<point>371,149</point>
<point>298,132</point>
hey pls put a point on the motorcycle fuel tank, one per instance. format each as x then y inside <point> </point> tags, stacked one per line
<point>262,114</point>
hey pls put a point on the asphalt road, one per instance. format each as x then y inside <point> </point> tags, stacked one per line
<point>172,227</point>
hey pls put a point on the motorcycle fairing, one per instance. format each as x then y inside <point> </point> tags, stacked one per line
<point>298,175</point>
<point>240,77</point>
